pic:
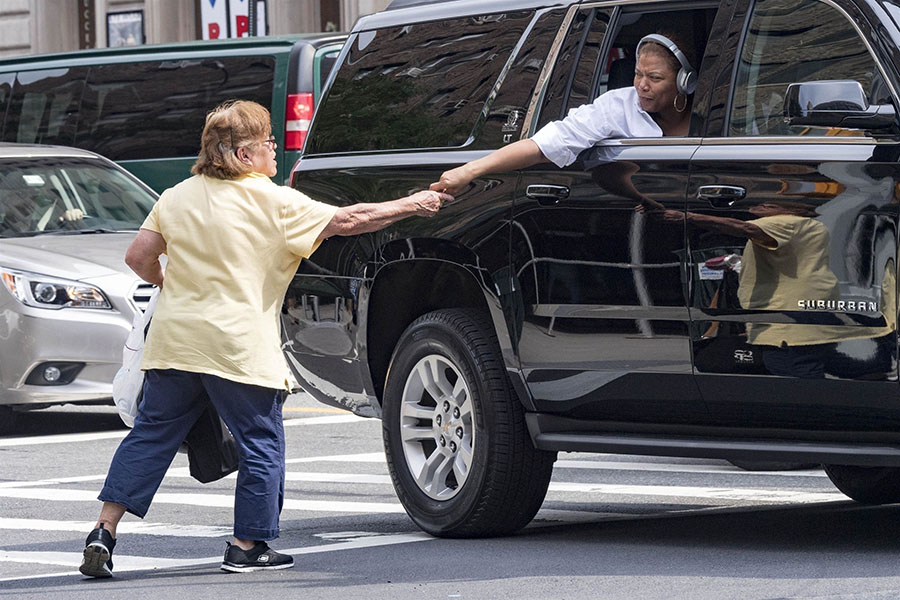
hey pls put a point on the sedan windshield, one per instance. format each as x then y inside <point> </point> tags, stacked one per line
<point>42,195</point>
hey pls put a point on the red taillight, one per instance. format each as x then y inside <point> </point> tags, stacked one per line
<point>296,120</point>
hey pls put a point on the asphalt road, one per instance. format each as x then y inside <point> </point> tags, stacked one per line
<point>611,527</point>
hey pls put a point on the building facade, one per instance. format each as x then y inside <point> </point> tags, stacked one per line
<point>43,26</point>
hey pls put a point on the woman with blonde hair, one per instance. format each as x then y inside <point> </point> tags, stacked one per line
<point>234,240</point>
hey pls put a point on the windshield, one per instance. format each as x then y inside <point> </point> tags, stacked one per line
<point>42,195</point>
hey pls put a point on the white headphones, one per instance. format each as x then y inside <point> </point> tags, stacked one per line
<point>686,80</point>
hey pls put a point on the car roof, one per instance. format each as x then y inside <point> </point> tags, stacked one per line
<point>149,50</point>
<point>10,150</point>
<point>401,12</point>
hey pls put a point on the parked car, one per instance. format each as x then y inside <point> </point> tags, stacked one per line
<point>145,106</point>
<point>68,299</point>
<point>541,313</point>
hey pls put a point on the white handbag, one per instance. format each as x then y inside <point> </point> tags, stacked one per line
<point>129,380</point>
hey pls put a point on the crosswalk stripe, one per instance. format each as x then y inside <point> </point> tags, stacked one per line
<point>132,527</point>
<point>206,500</point>
<point>125,563</point>
<point>678,468</point>
<point>66,438</point>
<point>339,506</point>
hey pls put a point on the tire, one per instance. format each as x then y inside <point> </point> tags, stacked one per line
<point>771,465</point>
<point>868,485</point>
<point>485,478</point>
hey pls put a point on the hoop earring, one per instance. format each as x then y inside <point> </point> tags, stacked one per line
<point>683,106</point>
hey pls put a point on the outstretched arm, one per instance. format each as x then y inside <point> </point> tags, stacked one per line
<point>367,217</point>
<point>518,155</point>
<point>726,225</point>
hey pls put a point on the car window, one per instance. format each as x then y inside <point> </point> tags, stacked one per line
<point>507,111</point>
<point>596,70</point>
<point>324,65</point>
<point>794,41</point>
<point>568,86</point>
<point>158,109</point>
<point>6,82</point>
<point>417,86</point>
<point>43,108</point>
<point>61,194</point>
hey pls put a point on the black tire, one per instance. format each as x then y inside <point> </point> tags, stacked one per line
<point>506,480</point>
<point>868,485</point>
<point>771,465</point>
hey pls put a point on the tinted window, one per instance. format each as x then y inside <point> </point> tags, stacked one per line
<point>158,109</point>
<point>40,195</point>
<point>506,114</point>
<point>793,41</point>
<point>326,66</point>
<point>418,86</point>
<point>6,82</point>
<point>43,108</point>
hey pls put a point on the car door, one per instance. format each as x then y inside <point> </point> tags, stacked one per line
<point>604,325</point>
<point>792,230</point>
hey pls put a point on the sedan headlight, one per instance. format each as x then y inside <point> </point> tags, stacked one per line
<point>44,291</point>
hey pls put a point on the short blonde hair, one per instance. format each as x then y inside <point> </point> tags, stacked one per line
<point>229,126</point>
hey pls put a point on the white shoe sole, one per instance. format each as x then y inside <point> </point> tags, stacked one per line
<point>233,568</point>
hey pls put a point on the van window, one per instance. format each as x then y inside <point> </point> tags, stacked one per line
<point>6,83</point>
<point>158,109</point>
<point>43,108</point>
<point>792,41</point>
<point>416,86</point>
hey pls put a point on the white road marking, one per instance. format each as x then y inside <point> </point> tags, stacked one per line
<point>133,527</point>
<point>680,491</point>
<point>678,468</point>
<point>206,500</point>
<point>125,563</point>
<point>366,457</point>
<point>66,438</point>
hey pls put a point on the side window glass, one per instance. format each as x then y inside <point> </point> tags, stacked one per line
<point>325,64</point>
<point>417,86</point>
<point>158,109</point>
<point>795,41</point>
<point>571,86</point>
<point>43,108</point>
<point>6,83</point>
<point>507,111</point>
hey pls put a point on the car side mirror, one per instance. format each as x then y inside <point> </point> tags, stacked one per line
<point>835,104</point>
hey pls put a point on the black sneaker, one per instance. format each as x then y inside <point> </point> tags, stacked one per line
<point>259,557</point>
<point>98,549</point>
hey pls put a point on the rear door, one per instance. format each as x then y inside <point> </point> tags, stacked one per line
<point>792,231</point>
<point>604,329</point>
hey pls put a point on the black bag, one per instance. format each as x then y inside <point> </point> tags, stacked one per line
<point>211,449</point>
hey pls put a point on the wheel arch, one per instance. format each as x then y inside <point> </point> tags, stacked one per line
<point>404,290</point>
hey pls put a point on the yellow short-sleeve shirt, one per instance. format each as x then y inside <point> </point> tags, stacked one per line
<point>233,247</point>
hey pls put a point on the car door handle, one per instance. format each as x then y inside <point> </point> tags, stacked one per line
<point>721,196</point>
<point>547,194</point>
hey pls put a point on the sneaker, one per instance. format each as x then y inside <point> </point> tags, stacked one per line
<point>98,549</point>
<point>258,558</point>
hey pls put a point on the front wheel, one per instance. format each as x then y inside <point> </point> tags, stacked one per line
<point>457,447</point>
<point>869,485</point>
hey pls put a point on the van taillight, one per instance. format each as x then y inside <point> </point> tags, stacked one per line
<point>296,120</point>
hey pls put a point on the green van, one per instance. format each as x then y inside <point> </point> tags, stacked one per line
<point>144,107</point>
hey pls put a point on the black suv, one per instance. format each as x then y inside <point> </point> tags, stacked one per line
<point>541,312</point>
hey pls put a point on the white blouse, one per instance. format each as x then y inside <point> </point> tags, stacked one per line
<point>615,114</point>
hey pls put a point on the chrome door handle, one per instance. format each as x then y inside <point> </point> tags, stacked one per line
<point>721,196</point>
<point>547,194</point>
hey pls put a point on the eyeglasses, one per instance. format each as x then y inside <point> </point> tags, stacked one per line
<point>269,142</point>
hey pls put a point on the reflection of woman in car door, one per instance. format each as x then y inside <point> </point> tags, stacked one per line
<point>657,105</point>
<point>786,260</point>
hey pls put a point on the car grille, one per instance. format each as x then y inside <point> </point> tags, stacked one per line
<point>141,295</point>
